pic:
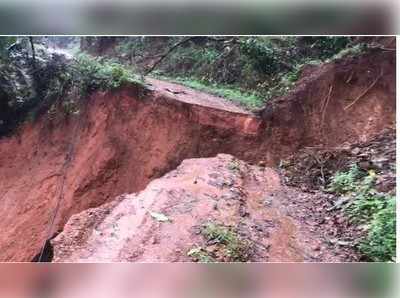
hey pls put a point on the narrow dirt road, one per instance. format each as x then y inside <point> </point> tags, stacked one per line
<point>195,97</point>
<point>164,222</point>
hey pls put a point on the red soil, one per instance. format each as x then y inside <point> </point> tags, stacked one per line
<point>220,190</point>
<point>124,139</point>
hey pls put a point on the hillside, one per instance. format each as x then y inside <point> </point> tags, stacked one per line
<point>113,168</point>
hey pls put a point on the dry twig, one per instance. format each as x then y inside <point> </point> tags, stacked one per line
<point>364,92</point>
<point>325,106</point>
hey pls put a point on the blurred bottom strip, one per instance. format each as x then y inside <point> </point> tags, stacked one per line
<point>197,280</point>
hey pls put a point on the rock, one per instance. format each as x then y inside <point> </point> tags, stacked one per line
<point>365,165</point>
<point>316,247</point>
<point>379,162</point>
<point>262,163</point>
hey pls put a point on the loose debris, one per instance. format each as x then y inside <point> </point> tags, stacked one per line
<point>319,207</point>
<point>312,168</point>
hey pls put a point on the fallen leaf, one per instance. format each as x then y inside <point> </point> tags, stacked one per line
<point>194,251</point>
<point>159,216</point>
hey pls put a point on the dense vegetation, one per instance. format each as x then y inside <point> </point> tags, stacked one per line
<point>246,70</point>
<point>370,209</point>
<point>250,70</point>
<point>36,81</point>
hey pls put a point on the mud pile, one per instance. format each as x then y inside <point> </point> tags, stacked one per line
<point>166,221</point>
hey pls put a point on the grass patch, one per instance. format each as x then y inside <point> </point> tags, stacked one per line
<point>234,247</point>
<point>200,255</point>
<point>234,165</point>
<point>229,246</point>
<point>370,208</point>
<point>249,100</point>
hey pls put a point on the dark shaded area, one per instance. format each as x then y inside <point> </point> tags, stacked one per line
<point>48,253</point>
<point>10,117</point>
<point>28,89</point>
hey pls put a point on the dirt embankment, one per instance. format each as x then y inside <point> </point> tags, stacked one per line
<point>124,139</point>
<point>349,100</point>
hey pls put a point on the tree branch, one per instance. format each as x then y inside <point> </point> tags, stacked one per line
<point>225,40</point>
<point>33,52</point>
<point>163,56</point>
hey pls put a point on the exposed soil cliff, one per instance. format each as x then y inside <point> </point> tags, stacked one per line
<point>347,100</point>
<point>123,139</point>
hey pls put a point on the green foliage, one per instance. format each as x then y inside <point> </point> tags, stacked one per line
<point>234,247</point>
<point>29,91</point>
<point>327,46</point>
<point>52,81</point>
<point>351,51</point>
<point>234,165</point>
<point>367,201</point>
<point>230,246</point>
<point>255,67</point>
<point>343,182</point>
<point>200,255</point>
<point>264,54</point>
<point>282,84</point>
<point>380,244</point>
<point>198,57</point>
<point>246,99</point>
<point>371,208</point>
<point>93,73</point>
<point>133,46</point>
<point>5,43</point>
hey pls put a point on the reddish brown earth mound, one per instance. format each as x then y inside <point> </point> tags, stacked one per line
<point>122,140</point>
<point>222,191</point>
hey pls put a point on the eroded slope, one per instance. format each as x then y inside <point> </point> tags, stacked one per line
<point>121,141</point>
<point>165,222</point>
<point>124,139</point>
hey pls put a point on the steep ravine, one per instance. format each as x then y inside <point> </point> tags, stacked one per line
<point>125,138</point>
<point>122,142</point>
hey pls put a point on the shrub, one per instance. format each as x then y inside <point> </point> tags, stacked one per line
<point>380,243</point>
<point>370,208</point>
<point>327,46</point>
<point>200,255</point>
<point>5,43</point>
<point>350,51</point>
<point>343,182</point>
<point>234,247</point>
<point>95,73</point>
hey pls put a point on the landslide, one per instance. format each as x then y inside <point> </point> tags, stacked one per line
<point>121,141</point>
<point>125,138</point>
<point>208,209</point>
